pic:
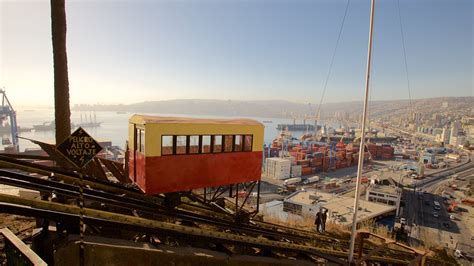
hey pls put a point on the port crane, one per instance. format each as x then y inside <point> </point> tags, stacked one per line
<point>8,111</point>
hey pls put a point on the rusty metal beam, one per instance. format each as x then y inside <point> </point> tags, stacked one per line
<point>113,167</point>
<point>220,237</point>
<point>70,178</point>
<point>94,168</point>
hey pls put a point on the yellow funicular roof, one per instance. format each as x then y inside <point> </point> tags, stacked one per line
<point>148,119</point>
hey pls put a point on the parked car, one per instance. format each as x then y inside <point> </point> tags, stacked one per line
<point>435,214</point>
<point>403,220</point>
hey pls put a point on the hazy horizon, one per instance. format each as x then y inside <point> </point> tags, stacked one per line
<point>313,104</point>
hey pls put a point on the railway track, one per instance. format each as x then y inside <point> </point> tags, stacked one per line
<point>117,206</point>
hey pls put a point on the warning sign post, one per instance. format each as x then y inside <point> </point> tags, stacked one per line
<point>79,148</point>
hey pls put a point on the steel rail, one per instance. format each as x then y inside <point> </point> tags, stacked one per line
<point>69,176</point>
<point>140,201</point>
<point>56,211</point>
<point>28,182</point>
<point>64,212</point>
<point>151,206</point>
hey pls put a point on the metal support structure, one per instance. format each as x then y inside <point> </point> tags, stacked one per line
<point>82,225</point>
<point>219,191</point>
<point>247,196</point>
<point>14,204</point>
<point>258,196</point>
<point>8,111</point>
<point>125,217</point>
<point>362,138</point>
<point>236,199</point>
<point>361,244</point>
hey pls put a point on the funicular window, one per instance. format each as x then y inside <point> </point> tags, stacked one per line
<point>140,137</point>
<point>206,144</point>
<point>238,143</point>
<point>181,142</point>
<point>142,141</point>
<point>193,144</point>
<point>137,139</point>
<point>217,144</point>
<point>228,143</point>
<point>248,143</point>
<point>166,145</point>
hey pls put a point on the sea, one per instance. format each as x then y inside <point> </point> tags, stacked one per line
<point>114,125</point>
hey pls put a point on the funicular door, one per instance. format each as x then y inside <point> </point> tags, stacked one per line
<point>135,148</point>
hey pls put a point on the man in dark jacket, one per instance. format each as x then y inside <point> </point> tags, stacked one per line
<point>324,217</point>
<point>318,220</point>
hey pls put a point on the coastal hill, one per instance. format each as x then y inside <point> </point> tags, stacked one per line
<point>281,108</point>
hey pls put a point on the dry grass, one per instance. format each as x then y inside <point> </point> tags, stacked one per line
<point>377,229</point>
<point>341,232</point>
<point>307,223</point>
<point>293,221</point>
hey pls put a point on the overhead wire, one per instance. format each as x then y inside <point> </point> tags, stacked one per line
<point>405,60</point>
<point>413,218</point>
<point>370,107</point>
<point>332,59</point>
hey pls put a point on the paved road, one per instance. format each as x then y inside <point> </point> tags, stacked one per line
<point>419,212</point>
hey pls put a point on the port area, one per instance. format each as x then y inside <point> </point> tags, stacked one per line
<point>397,193</point>
<point>334,191</point>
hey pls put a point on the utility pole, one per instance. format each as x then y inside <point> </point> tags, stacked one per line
<point>62,113</point>
<point>362,138</point>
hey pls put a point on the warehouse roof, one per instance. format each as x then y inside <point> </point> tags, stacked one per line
<point>340,207</point>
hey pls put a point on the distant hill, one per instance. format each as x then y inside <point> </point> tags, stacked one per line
<point>278,108</point>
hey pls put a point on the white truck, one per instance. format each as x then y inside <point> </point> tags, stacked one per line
<point>310,180</point>
<point>292,181</point>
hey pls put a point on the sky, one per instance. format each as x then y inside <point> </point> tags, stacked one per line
<point>132,51</point>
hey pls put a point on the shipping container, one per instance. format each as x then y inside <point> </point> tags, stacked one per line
<point>306,171</point>
<point>295,170</point>
<point>278,168</point>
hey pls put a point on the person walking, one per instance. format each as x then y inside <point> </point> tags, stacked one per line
<point>318,220</point>
<point>324,217</point>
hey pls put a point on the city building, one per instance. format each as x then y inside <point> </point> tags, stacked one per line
<point>386,194</point>
<point>445,135</point>
<point>428,158</point>
<point>417,117</point>
<point>304,204</point>
<point>455,130</point>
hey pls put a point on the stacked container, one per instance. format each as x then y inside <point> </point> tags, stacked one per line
<point>379,152</point>
<point>295,170</point>
<point>372,148</point>
<point>387,152</point>
<point>278,168</point>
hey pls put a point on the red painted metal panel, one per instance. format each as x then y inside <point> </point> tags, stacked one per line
<point>186,172</point>
<point>140,178</point>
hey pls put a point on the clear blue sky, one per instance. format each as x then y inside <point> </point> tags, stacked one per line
<point>131,51</point>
